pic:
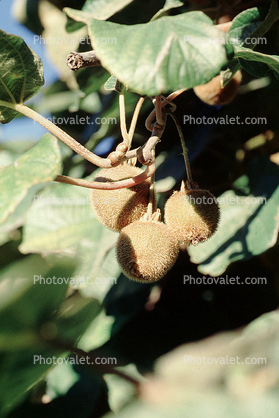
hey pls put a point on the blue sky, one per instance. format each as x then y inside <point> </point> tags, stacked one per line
<point>23,128</point>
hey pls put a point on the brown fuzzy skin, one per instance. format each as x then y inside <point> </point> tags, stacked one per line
<point>192,215</point>
<point>146,250</point>
<point>212,93</point>
<point>115,209</point>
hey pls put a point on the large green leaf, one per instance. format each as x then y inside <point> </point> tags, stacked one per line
<point>249,223</point>
<point>21,73</point>
<point>38,165</point>
<point>167,54</point>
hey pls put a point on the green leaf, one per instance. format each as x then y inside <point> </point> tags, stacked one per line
<point>225,375</point>
<point>60,218</point>
<point>120,391</point>
<point>16,219</point>
<point>29,301</point>
<point>164,55</point>
<point>38,165</point>
<point>252,24</point>
<point>258,64</point>
<point>102,270</point>
<point>13,285</point>
<point>75,316</point>
<point>33,306</point>
<point>113,84</point>
<point>21,73</point>
<point>19,374</point>
<point>244,24</point>
<point>98,333</point>
<point>104,9</point>
<point>249,224</point>
<point>246,30</point>
<point>94,9</point>
<point>15,149</point>
<point>60,379</point>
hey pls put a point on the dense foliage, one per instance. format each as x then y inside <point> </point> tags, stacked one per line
<point>62,292</point>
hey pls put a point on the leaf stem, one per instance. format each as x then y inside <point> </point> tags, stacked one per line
<point>59,133</point>
<point>151,207</point>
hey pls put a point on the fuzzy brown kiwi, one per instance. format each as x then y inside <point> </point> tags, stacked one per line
<point>117,208</point>
<point>213,94</point>
<point>192,215</point>
<point>146,250</point>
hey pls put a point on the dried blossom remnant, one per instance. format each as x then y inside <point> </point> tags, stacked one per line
<point>77,60</point>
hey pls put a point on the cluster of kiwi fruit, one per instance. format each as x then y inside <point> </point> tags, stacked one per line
<point>148,248</point>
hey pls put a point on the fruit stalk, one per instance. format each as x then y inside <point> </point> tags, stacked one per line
<point>190,184</point>
<point>122,112</point>
<point>133,181</point>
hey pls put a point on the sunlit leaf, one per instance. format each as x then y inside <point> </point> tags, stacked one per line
<point>21,73</point>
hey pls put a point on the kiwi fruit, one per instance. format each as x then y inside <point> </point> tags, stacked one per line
<point>213,94</point>
<point>146,250</point>
<point>192,215</point>
<point>115,209</point>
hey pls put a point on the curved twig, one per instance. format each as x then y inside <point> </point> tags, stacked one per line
<point>59,133</point>
<point>121,184</point>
